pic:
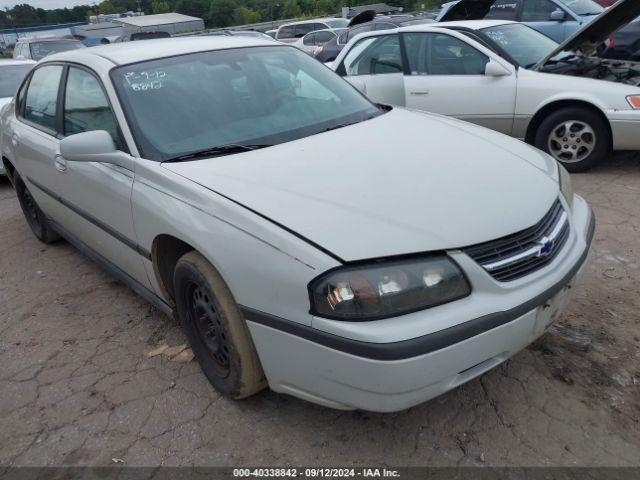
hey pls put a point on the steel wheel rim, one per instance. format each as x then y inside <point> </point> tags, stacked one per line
<point>571,141</point>
<point>209,329</point>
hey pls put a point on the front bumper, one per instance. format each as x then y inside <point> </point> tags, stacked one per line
<point>349,373</point>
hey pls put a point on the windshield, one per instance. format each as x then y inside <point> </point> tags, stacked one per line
<point>39,50</point>
<point>583,7</point>
<point>524,44</point>
<point>11,77</point>
<point>337,23</point>
<point>244,96</point>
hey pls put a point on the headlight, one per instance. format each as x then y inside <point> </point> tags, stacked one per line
<point>566,187</point>
<point>634,101</point>
<point>387,288</point>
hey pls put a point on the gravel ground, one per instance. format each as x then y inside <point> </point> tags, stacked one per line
<point>77,389</point>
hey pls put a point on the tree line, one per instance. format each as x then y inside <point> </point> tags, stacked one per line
<point>216,13</point>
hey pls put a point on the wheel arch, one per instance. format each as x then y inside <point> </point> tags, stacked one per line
<point>556,105</point>
<point>166,250</point>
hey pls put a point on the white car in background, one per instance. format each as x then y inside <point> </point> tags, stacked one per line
<point>508,77</point>
<point>311,41</point>
<point>373,279</point>
<point>12,73</point>
<point>290,32</point>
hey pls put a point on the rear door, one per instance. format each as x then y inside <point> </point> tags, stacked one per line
<point>446,75</point>
<point>374,66</point>
<point>35,136</point>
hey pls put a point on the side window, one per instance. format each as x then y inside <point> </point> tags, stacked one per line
<point>309,39</point>
<point>286,32</point>
<point>303,28</point>
<point>537,10</point>
<point>439,54</point>
<point>323,37</point>
<point>374,55</point>
<point>504,10</point>
<point>358,30</point>
<point>86,107</point>
<point>42,96</point>
<point>385,26</point>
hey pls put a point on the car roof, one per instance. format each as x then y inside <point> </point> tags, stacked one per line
<point>13,61</point>
<point>315,20</point>
<point>472,24</point>
<point>122,53</point>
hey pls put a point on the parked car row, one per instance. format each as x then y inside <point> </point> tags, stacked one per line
<point>210,174</point>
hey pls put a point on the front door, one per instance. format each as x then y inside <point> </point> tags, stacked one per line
<point>446,75</point>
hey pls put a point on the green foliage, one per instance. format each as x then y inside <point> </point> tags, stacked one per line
<point>291,9</point>
<point>221,13</point>
<point>244,15</point>
<point>158,6</point>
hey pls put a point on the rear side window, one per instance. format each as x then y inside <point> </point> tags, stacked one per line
<point>42,97</point>
<point>286,32</point>
<point>86,107</point>
<point>358,30</point>
<point>309,39</point>
<point>304,28</point>
<point>323,37</point>
<point>504,10</point>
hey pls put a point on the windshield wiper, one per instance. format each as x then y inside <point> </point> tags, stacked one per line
<point>227,149</point>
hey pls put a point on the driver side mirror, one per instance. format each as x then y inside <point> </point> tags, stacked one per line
<point>94,146</point>
<point>494,69</point>
<point>558,16</point>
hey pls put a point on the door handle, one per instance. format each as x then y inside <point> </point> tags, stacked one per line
<point>60,163</point>
<point>419,92</point>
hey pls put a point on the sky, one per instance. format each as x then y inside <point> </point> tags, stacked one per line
<point>46,4</point>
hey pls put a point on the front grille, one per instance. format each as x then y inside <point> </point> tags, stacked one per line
<point>522,253</point>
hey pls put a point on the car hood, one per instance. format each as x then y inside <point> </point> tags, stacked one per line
<point>403,182</point>
<point>588,38</point>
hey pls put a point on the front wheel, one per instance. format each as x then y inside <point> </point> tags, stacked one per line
<point>217,331</point>
<point>576,137</point>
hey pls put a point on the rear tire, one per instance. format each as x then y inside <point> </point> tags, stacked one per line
<point>36,220</point>
<point>576,137</point>
<point>217,331</point>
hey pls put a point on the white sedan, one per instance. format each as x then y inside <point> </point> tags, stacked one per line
<point>309,240</point>
<point>505,76</point>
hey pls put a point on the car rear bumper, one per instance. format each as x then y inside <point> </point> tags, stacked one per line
<point>345,373</point>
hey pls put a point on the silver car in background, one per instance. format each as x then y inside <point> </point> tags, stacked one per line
<point>245,188</point>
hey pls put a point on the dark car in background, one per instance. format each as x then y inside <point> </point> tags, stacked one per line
<point>330,50</point>
<point>625,44</point>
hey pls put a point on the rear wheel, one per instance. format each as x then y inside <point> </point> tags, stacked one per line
<point>37,220</point>
<point>576,137</point>
<point>217,331</point>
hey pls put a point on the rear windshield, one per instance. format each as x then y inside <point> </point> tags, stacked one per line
<point>39,50</point>
<point>257,95</point>
<point>11,77</point>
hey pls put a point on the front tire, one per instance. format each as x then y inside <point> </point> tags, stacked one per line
<point>576,137</point>
<point>217,331</point>
<point>36,220</point>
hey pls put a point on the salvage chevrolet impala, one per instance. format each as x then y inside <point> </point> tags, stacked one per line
<point>247,189</point>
